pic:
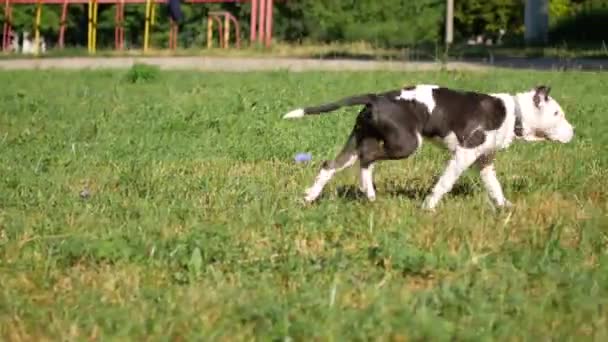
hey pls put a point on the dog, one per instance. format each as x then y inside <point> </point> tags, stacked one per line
<point>471,125</point>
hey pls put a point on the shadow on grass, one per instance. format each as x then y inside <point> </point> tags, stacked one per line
<point>414,191</point>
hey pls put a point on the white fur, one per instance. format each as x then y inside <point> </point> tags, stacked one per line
<point>367,182</point>
<point>534,119</point>
<point>548,118</point>
<point>421,93</point>
<point>294,114</point>
<point>450,142</point>
<point>461,160</point>
<point>545,120</point>
<point>324,176</point>
<point>492,185</point>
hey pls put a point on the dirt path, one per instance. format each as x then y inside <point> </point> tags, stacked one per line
<point>221,64</point>
<point>292,64</point>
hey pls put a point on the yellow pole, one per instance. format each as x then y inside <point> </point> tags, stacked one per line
<point>152,14</point>
<point>147,25</point>
<point>95,26</point>
<point>209,32</point>
<point>37,32</point>
<point>226,31</point>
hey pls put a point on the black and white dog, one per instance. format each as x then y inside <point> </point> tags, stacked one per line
<point>473,126</point>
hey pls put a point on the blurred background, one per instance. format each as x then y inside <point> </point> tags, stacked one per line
<point>401,29</point>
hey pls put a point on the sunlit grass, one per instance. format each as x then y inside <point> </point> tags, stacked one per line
<point>147,204</point>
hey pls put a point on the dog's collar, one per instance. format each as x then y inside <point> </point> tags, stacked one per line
<point>518,128</point>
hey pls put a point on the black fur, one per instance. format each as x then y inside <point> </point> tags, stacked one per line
<point>388,128</point>
<point>467,114</point>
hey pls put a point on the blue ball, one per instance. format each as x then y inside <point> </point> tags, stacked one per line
<point>303,157</point>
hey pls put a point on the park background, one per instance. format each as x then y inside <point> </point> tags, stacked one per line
<point>395,28</point>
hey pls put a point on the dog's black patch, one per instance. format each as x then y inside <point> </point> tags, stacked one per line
<point>467,114</point>
<point>541,93</point>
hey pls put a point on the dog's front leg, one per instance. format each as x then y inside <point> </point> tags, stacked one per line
<point>367,182</point>
<point>462,159</point>
<point>487,172</point>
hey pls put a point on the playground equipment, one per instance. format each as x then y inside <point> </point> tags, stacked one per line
<point>261,22</point>
<point>224,30</point>
<point>261,15</point>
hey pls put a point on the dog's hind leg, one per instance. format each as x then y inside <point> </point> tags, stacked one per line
<point>462,159</point>
<point>394,147</point>
<point>346,158</point>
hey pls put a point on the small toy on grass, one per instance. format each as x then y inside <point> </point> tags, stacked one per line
<point>303,157</point>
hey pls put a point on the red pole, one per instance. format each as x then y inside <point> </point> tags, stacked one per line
<point>269,8</point>
<point>262,19</point>
<point>9,26</point>
<point>122,27</point>
<point>116,27</point>
<point>6,28</point>
<point>170,34</point>
<point>254,19</point>
<point>237,30</point>
<point>173,35</point>
<point>64,13</point>
<point>4,32</point>
<point>220,28</point>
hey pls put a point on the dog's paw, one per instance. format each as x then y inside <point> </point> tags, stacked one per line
<point>506,205</point>
<point>310,195</point>
<point>428,205</point>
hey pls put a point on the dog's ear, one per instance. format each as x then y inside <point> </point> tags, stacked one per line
<point>541,93</point>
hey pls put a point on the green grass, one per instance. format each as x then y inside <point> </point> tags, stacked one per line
<point>193,229</point>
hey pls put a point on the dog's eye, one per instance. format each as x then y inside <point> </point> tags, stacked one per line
<point>556,113</point>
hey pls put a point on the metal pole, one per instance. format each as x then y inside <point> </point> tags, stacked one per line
<point>262,20</point>
<point>253,22</point>
<point>147,25</point>
<point>117,27</point>
<point>6,31</point>
<point>5,36</point>
<point>449,22</point>
<point>64,13</point>
<point>95,11</point>
<point>226,31</point>
<point>122,25</point>
<point>536,21</point>
<point>37,27</point>
<point>269,8</point>
<point>209,32</point>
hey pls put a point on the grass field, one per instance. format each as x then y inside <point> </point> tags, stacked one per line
<point>168,209</point>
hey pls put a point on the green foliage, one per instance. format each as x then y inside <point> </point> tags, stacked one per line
<point>388,23</point>
<point>194,230</point>
<point>581,22</point>
<point>472,17</point>
<point>140,72</point>
<point>559,9</point>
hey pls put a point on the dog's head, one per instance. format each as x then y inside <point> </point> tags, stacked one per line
<point>543,118</point>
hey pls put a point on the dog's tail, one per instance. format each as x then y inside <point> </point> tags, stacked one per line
<point>330,107</point>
